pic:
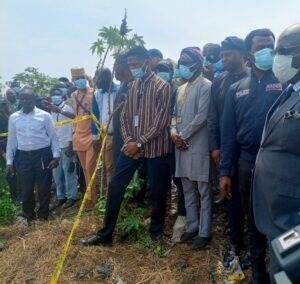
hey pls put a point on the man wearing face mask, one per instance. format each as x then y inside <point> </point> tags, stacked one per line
<point>233,54</point>
<point>33,145</point>
<point>82,138</point>
<point>103,102</point>
<point>190,136</point>
<point>276,182</point>
<point>144,126</point>
<point>65,174</point>
<point>155,57</point>
<point>246,105</point>
<point>212,64</point>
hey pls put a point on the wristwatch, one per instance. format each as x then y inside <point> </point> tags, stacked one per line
<point>139,145</point>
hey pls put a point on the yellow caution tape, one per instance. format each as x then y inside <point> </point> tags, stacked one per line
<point>75,120</point>
<point>66,248</point>
<point>3,134</point>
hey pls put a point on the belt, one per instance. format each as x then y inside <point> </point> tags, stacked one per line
<point>35,151</point>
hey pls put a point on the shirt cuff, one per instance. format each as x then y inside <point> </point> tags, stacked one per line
<point>9,162</point>
<point>126,140</point>
<point>56,154</point>
<point>142,139</point>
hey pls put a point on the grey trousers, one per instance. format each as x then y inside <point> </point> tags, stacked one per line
<point>198,205</point>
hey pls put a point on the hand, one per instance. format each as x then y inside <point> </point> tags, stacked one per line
<point>96,145</point>
<point>10,170</point>
<point>178,141</point>
<point>53,164</point>
<point>225,186</point>
<point>69,151</point>
<point>54,108</point>
<point>215,155</point>
<point>131,149</point>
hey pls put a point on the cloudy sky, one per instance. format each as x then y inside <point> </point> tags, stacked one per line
<point>55,35</point>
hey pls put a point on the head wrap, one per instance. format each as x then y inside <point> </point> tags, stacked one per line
<point>192,53</point>
<point>233,43</point>
<point>77,72</point>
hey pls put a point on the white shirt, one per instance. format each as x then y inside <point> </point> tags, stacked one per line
<point>32,131</point>
<point>64,133</point>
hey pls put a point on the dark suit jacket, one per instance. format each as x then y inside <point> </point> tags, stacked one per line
<point>276,181</point>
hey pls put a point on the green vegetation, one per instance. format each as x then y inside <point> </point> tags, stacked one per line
<point>7,209</point>
<point>40,82</point>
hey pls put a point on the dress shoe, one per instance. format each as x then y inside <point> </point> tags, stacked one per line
<point>200,243</point>
<point>188,237</point>
<point>96,240</point>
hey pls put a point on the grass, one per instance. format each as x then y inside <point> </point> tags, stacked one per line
<point>7,208</point>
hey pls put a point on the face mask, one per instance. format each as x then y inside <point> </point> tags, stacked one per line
<point>206,62</point>
<point>282,68</point>
<point>176,74</point>
<point>80,84</point>
<point>137,73</point>
<point>56,100</point>
<point>264,59</point>
<point>164,75</point>
<point>218,67</point>
<point>185,72</point>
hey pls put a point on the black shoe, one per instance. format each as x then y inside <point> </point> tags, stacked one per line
<point>58,203</point>
<point>69,203</point>
<point>155,238</point>
<point>245,261</point>
<point>200,243</point>
<point>188,237</point>
<point>96,240</point>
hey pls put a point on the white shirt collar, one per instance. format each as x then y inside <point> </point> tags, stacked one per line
<point>32,112</point>
<point>296,86</point>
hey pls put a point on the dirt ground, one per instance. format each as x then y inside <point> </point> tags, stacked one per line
<point>30,255</point>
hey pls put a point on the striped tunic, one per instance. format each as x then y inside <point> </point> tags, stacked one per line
<point>146,115</point>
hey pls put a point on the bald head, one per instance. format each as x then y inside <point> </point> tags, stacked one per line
<point>290,37</point>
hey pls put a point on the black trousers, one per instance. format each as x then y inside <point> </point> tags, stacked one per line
<point>257,241</point>
<point>14,187</point>
<point>158,173</point>
<point>32,170</point>
<point>236,217</point>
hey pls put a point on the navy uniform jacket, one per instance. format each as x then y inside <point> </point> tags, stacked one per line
<point>276,181</point>
<point>219,88</point>
<point>246,106</point>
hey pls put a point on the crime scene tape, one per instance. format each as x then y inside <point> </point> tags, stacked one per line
<point>64,253</point>
<point>67,121</point>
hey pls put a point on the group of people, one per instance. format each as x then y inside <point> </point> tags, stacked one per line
<point>230,112</point>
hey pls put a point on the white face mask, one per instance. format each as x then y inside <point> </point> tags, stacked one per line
<point>282,68</point>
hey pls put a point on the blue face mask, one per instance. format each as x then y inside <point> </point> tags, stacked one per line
<point>137,73</point>
<point>219,67</point>
<point>176,74</point>
<point>165,76</point>
<point>56,100</point>
<point>185,72</point>
<point>206,62</point>
<point>264,59</point>
<point>80,84</point>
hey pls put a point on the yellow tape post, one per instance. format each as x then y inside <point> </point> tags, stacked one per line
<point>66,248</point>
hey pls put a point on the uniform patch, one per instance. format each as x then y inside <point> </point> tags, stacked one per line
<point>242,93</point>
<point>274,87</point>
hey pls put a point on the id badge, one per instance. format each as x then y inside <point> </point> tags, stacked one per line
<point>136,121</point>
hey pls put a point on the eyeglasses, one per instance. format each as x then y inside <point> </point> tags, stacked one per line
<point>291,50</point>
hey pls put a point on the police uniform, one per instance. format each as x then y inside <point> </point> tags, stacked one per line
<point>219,88</point>
<point>246,105</point>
